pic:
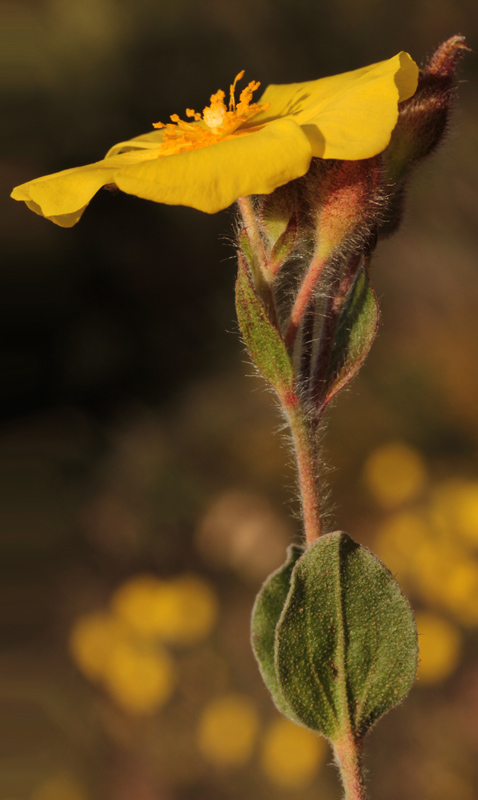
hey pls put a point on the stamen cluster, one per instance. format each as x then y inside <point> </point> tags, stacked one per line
<point>216,123</point>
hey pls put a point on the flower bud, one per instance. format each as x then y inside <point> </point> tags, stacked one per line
<point>423,118</point>
<point>347,202</point>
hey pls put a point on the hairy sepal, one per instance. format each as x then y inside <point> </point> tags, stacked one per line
<point>355,332</point>
<point>260,335</point>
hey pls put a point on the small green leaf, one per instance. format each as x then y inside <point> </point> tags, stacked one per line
<point>356,329</point>
<point>261,337</point>
<point>265,616</point>
<point>346,643</point>
<point>284,245</point>
<point>276,212</point>
<point>247,252</point>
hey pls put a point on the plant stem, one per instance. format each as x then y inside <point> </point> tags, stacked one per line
<point>305,446</point>
<point>303,298</point>
<point>348,755</point>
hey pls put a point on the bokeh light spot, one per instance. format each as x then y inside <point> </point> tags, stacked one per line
<point>400,539</point>
<point>455,509</point>
<point>227,730</point>
<point>291,755</point>
<point>182,610</point>
<point>139,680</point>
<point>394,473</point>
<point>440,647</point>
<point>92,639</point>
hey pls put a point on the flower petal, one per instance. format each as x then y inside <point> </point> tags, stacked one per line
<point>211,178</point>
<point>349,116</point>
<point>63,196</point>
<point>145,141</point>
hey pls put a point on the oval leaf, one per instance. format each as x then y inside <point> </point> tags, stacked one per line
<point>346,643</point>
<point>265,616</point>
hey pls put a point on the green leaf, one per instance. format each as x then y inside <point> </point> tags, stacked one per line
<point>265,616</point>
<point>247,252</point>
<point>346,643</point>
<point>356,329</point>
<point>276,212</point>
<point>284,245</point>
<point>261,337</point>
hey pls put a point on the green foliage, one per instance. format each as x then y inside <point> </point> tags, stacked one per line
<point>356,329</point>
<point>345,644</point>
<point>265,616</point>
<point>261,337</point>
<point>284,244</point>
<point>276,212</point>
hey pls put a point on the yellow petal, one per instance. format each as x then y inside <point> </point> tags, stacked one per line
<point>63,196</point>
<point>145,141</point>
<point>211,178</point>
<point>349,116</point>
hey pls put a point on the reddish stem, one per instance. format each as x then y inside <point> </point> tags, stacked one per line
<point>305,447</point>
<point>303,298</point>
<point>348,754</point>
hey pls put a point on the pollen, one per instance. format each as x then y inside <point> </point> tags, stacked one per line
<point>217,122</point>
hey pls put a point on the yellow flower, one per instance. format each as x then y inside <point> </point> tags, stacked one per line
<point>140,680</point>
<point>92,638</point>
<point>455,510</point>
<point>182,610</point>
<point>227,730</point>
<point>291,755</point>
<point>239,149</point>
<point>394,474</point>
<point>440,647</point>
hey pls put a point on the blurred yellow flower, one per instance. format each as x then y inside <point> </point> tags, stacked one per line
<point>92,638</point>
<point>138,675</point>
<point>440,647</point>
<point>460,590</point>
<point>240,149</point>
<point>140,680</point>
<point>399,542</point>
<point>182,610</point>
<point>227,730</point>
<point>455,510</point>
<point>394,474</point>
<point>291,755</point>
<point>431,565</point>
<point>59,787</point>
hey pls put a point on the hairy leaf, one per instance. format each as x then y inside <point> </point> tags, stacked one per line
<point>346,642</point>
<point>265,616</point>
<point>261,337</point>
<point>356,329</point>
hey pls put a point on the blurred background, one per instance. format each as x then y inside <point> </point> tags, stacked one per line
<point>146,489</point>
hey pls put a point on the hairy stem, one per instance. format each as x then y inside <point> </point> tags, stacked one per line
<point>304,297</point>
<point>348,755</point>
<point>305,446</point>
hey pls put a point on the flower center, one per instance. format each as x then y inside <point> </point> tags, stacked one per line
<point>217,121</point>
